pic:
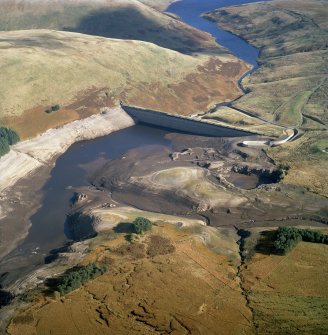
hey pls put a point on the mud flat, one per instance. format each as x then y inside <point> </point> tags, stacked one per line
<point>34,158</point>
<point>197,177</point>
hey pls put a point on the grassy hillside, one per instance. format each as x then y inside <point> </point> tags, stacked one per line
<point>288,294</point>
<point>166,282</point>
<point>123,19</point>
<point>293,43</point>
<point>290,87</point>
<point>81,73</point>
<point>230,117</point>
<point>180,280</point>
<point>158,4</point>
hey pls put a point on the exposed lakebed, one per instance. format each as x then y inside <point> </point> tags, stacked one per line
<point>47,231</point>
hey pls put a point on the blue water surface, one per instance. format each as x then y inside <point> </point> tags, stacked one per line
<point>190,12</point>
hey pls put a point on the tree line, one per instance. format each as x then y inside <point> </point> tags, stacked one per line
<point>7,137</point>
<point>286,238</point>
<point>73,278</point>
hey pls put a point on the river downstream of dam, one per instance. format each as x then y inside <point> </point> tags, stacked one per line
<point>47,231</point>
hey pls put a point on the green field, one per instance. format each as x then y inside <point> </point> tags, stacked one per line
<point>290,113</point>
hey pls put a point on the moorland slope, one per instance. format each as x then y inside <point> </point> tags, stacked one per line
<point>123,19</point>
<point>186,279</point>
<point>148,288</point>
<point>290,87</point>
<point>83,73</point>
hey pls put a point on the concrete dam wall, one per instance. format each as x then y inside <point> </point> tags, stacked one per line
<point>181,123</point>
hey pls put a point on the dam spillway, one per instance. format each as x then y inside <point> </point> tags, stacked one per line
<point>181,123</point>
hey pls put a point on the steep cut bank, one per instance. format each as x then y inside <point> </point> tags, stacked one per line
<point>158,4</point>
<point>83,73</point>
<point>44,148</point>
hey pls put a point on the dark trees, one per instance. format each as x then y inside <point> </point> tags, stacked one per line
<point>7,137</point>
<point>286,238</point>
<point>141,225</point>
<point>4,146</point>
<point>77,276</point>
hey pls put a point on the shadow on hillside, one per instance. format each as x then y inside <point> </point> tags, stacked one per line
<point>265,243</point>
<point>5,298</point>
<point>131,24</point>
<point>55,253</point>
<point>79,226</point>
<point>123,227</point>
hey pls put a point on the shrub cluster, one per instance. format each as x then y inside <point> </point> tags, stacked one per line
<point>53,108</point>
<point>286,238</point>
<point>77,276</point>
<point>7,137</point>
<point>4,147</point>
<point>315,149</point>
<point>141,225</point>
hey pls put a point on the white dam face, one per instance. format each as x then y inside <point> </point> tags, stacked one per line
<point>182,123</point>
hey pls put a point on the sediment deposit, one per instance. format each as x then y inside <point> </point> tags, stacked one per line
<point>33,159</point>
<point>26,157</point>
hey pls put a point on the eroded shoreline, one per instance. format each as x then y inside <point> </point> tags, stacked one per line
<point>35,158</point>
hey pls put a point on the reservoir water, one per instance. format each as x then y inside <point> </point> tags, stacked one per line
<point>47,231</point>
<point>48,223</point>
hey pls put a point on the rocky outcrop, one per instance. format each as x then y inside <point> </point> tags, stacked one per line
<point>79,198</point>
<point>272,174</point>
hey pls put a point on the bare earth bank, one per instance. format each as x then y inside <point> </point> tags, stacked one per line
<point>32,160</point>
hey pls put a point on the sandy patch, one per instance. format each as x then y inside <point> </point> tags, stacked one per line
<point>14,166</point>
<point>111,217</point>
<point>191,183</point>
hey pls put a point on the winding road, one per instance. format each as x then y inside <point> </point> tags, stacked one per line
<point>190,12</point>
